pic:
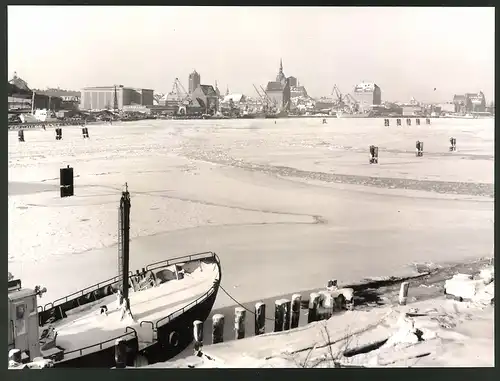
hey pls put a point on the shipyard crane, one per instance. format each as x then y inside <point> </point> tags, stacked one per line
<point>264,100</point>
<point>180,92</point>
<point>336,91</point>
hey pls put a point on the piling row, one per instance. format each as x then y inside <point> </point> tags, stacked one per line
<point>387,122</point>
<point>321,305</point>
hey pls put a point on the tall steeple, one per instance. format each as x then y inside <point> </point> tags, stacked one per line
<point>281,76</point>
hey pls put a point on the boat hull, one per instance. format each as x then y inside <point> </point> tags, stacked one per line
<point>173,333</point>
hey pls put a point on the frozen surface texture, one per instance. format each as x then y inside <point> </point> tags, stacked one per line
<point>286,206</point>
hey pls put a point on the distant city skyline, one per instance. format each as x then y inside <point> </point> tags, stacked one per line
<point>408,52</point>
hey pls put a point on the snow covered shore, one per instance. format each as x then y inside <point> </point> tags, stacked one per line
<point>436,332</point>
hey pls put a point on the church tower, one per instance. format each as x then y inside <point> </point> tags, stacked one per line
<point>281,76</point>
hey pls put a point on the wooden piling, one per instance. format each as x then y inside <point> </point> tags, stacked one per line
<point>328,304</point>
<point>198,334</point>
<point>121,353</point>
<point>217,328</point>
<point>312,314</point>
<point>278,315</point>
<point>296,299</point>
<point>403,293</point>
<point>260,318</point>
<point>239,323</point>
<point>287,304</point>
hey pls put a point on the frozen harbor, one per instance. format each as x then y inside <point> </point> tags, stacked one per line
<point>286,206</point>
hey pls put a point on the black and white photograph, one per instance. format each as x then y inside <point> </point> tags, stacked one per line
<point>250,186</point>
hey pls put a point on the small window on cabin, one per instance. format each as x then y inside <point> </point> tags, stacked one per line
<point>20,309</point>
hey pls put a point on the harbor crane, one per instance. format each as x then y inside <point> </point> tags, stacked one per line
<point>181,96</point>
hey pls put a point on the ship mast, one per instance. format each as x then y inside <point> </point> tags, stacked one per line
<point>123,248</point>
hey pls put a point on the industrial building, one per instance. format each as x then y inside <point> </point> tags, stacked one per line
<point>103,97</point>
<point>367,95</point>
<point>194,81</point>
<point>279,91</point>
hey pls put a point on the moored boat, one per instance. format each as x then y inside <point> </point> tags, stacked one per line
<point>152,310</point>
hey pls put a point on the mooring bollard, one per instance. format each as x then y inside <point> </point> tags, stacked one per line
<point>408,122</point>
<point>217,328</point>
<point>279,315</point>
<point>296,299</point>
<point>66,182</point>
<point>198,334</point>
<point>403,293</point>
<point>239,323</point>
<point>373,155</point>
<point>427,121</point>
<point>398,122</point>
<point>326,305</point>
<point>419,148</point>
<point>121,353</point>
<point>260,318</point>
<point>287,307</point>
<point>20,135</point>
<point>312,314</point>
<point>417,122</point>
<point>453,146</point>
<point>386,122</point>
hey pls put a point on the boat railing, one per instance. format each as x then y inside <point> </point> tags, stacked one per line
<point>84,291</point>
<point>152,266</point>
<point>185,258</point>
<point>153,329</point>
<point>179,312</point>
<point>127,333</point>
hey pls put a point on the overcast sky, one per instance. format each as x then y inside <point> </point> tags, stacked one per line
<point>406,51</point>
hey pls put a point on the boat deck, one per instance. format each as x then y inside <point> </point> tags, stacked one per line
<point>87,327</point>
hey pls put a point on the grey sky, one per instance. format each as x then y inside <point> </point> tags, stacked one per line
<point>406,51</point>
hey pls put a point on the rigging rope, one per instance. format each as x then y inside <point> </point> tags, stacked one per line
<point>238,303</point>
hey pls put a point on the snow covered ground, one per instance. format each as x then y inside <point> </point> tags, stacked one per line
<point>286,206</point>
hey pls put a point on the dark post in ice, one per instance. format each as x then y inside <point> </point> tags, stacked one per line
<point>20,135</point>
<point>58,133</point>
<point>279,315</point>
<point>239,323</point>
<point>66,181</point>
<point>286,314</point>
<point>398,122</point>
<point>373,155</point>
<point>408,122</point>
<point>427,121</point>
<point>217,328</point>
<point>85,132</point>
<point>296,299</point>
<point>453,142</point>
<point>386,122</point>
<point>198,335</point>
<point>312,314</point>
<point>260,318</point>
<point>419,148</point>
<point>417,122</point>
